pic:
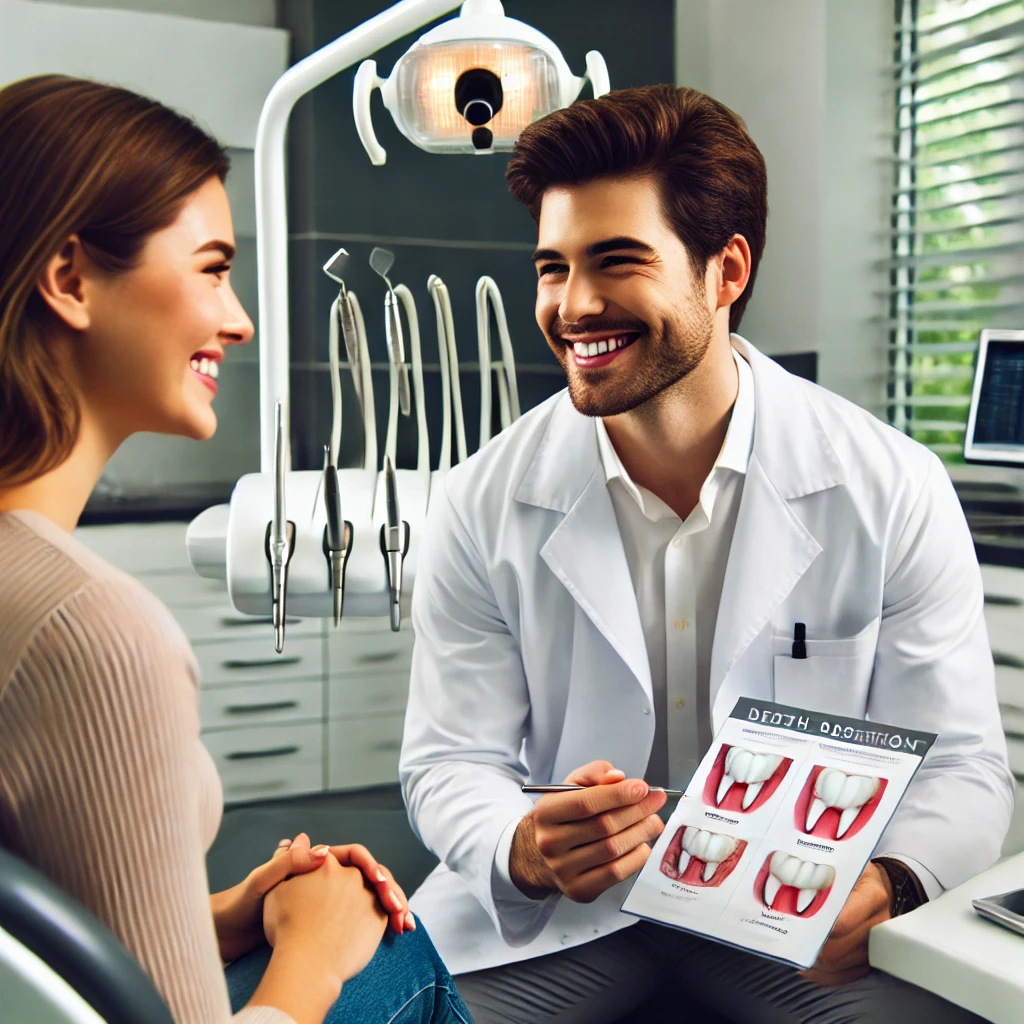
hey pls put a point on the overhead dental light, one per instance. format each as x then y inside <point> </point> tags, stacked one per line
<point>472,84</point>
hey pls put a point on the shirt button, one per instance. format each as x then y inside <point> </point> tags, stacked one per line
<point>680,703</point>
<point>681,624</point>
<point>647,711</point>
<point>678,542</point>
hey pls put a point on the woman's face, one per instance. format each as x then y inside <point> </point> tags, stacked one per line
<point>150,357</point>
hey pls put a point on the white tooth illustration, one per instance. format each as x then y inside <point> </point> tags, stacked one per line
<point>742,765</point>
<point>805,875</point>
<point>846,793</point>
<point>710,847</point>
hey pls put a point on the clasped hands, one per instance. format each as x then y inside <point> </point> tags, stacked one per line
<point>297,873</point>
<point>582,843</point>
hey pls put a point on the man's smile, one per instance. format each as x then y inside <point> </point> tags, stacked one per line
<point>598,349</point>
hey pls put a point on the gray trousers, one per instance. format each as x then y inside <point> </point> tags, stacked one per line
<point>602,981</point>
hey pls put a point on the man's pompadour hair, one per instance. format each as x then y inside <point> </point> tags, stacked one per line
<point>713,177</point>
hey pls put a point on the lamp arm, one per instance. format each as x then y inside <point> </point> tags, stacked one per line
<point>271,198</point>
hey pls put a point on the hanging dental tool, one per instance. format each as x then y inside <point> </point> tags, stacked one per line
<point>412,484</point>
<point>350,544</point>
<point>280,537</point>
<point>451,388</point>
<point>508,395</point>
<point>343,316</point>
<point>381,260</point>
<point>394,544</point>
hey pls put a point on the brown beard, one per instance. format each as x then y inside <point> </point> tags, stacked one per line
<point>664,358</point>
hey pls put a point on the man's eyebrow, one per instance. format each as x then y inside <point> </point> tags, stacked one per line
<point>622,242</point>
<point>599,248</point>
<point>225,247</point>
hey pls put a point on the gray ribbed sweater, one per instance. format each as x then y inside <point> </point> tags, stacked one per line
<point>105,786</point>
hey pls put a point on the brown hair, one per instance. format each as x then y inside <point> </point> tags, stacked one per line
<point>78,158</point>
<point>713,177</point>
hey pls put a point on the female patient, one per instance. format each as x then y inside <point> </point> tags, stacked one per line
<point>115,311</point>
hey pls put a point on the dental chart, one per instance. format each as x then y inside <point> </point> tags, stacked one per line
<point>776,827</point>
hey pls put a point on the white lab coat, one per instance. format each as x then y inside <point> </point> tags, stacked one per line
<point>530,659</point>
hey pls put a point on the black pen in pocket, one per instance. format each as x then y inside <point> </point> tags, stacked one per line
<point>799,640</point>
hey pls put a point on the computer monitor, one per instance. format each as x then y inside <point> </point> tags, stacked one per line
<point>995,423</point>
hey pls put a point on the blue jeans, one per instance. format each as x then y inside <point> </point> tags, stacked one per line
<point>406,982</point>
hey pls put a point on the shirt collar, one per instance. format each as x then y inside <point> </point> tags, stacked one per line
<point>736,449</point>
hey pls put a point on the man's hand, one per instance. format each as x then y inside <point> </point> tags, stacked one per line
<point>582,843</point>
<point>844,957</point>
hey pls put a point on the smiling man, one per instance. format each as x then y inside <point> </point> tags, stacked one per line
<point>611,573</point>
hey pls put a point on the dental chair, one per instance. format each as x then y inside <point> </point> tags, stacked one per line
<point>59,965</point>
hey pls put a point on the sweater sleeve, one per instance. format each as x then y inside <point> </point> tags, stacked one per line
<point>100,769</point>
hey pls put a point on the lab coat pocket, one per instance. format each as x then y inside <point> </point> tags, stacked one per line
<point>835,676</point>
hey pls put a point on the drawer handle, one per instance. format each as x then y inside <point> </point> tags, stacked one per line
<point>251,709</point>
<point>1007,660</point>
<point>1003,600</point>
<point>259,662</point>
<point>379,658</point>
<point>248,755</point>
<point>230,621</point>
<point>387,745</point>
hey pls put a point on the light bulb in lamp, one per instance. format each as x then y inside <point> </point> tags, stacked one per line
<point>472,84</point>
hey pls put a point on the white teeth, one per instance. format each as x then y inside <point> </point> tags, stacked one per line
<point>742,765</point>
<point>723,787</point>
<point>805,875</point>
<point>207,367</point>
<point>751,794</point>
<point>214,369</point>
<point>814,812</point>
<point>602,347</point>
<point>846,793</point>
<point>846,819</point>
<point>710,847</point>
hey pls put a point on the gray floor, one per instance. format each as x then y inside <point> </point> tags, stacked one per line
<point>374,817</point>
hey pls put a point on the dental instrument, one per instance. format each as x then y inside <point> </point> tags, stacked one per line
<point>343,316</point>
<point>280,537</point>
<point>337,538</point>
<point>381,260</point>
<point>394,544</point>
<point>451,385</point>
<point>456,64</point>
<point>572,789</point>
<point>413,484</point>
<point>488,296</point>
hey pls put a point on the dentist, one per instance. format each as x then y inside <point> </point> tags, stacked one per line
<point>610,574</point>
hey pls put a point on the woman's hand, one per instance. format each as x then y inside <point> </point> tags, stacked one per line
<point>389,892</point>
<point>333,911</point>
<point>238,911</point>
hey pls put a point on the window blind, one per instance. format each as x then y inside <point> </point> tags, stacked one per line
<point>957,219</point>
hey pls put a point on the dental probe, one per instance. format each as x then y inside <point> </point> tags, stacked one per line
<point>337,537</point>
<point>394,544</point>
<point>572,789</point>
<point>346,316</point>
<point>381,261</point>
<point>280,536</point>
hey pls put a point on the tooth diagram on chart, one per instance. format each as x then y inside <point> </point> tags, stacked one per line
<point>775,828</point>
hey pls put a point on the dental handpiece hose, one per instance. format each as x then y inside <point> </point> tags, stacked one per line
<point>572,789</point>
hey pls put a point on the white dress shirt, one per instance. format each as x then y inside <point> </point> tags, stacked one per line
<point>677,569</point>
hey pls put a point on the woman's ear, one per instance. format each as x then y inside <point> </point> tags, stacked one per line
<point>62,284</point>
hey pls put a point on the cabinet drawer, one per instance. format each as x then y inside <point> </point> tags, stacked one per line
<point>1003,581</point>
<point>228,707</point>
<point>270,761</point>
<point>368,693</point>
<point>230,663</point>
<point>220,621</point>
<point>364,751</point>
<point>372,651</point>
<point>138,547</point>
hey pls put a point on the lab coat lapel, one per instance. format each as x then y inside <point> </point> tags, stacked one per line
<point>585,550</point>
<point>771,548</point>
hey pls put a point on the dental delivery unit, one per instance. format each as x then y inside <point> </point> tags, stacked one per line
<point>329,541</point>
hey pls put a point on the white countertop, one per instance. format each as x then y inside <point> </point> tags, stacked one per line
<point>946,947</point>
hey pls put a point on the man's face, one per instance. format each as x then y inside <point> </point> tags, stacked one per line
<point>614,279</point>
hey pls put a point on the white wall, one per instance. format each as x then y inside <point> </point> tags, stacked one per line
<point>239,12</point>
<point>809,78</point>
